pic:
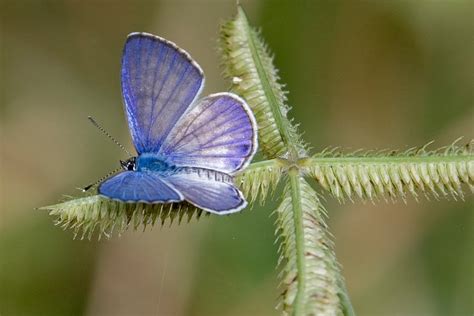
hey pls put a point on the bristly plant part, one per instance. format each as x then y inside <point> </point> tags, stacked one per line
<point>311,279</point>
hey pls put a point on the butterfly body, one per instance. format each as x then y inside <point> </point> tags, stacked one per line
<point>188,149</point>
<point>149,162</point>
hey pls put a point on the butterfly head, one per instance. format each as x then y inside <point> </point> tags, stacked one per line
<point>129,164</point>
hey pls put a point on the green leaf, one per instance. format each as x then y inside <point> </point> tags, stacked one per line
<point>248,64</point>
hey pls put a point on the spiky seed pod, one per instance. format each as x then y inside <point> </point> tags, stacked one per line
<point>310,280</point>
<point>260,179</point>
<point>440,173</point>
<point>249,65</point>
<point>105,217</point>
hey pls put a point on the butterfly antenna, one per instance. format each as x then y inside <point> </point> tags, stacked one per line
<point>87,187</point>
<point>91,119</point>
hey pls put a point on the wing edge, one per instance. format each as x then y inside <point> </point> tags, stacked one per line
<point>171,43</point>
<point>181,51</point>
<point>253,122</point>
<point>224,212</point>
<point>229,181</point>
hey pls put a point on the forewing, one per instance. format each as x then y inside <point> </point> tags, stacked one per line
<point>159,83</point>
<point>208,190</point>
<point>131,186</point>
<point>218,133</point>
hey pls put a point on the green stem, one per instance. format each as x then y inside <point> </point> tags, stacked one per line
<point>299,238</point>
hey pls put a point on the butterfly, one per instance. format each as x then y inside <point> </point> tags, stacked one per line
<point>187,148</point>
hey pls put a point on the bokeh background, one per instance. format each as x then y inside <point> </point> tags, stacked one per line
<point>366,74</point>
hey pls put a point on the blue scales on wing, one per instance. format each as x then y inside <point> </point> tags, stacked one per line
<point>159,82</point>
<point>209,190</point>
<point>187,150</point>
<point>131,186</point>
<point>218,133</point>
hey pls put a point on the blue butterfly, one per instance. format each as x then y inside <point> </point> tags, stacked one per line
<point>188,149</point>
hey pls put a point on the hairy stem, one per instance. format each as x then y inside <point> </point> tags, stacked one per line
<point>299,238</point>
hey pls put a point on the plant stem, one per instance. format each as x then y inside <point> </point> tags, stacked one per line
<point>299,238</point>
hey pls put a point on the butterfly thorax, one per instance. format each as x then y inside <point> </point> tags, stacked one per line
<point>153,163</point>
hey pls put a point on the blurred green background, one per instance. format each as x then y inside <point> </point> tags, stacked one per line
<point>361,75</point>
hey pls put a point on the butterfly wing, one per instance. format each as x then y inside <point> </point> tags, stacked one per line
<point>209,190</point>
<point>132,186</point>
<point>159,82</point>
<point>217,136</point>
<point>218,133</point>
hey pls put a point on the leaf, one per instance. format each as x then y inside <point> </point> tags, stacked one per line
<point>248,63</point>
<point>441,173</point>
